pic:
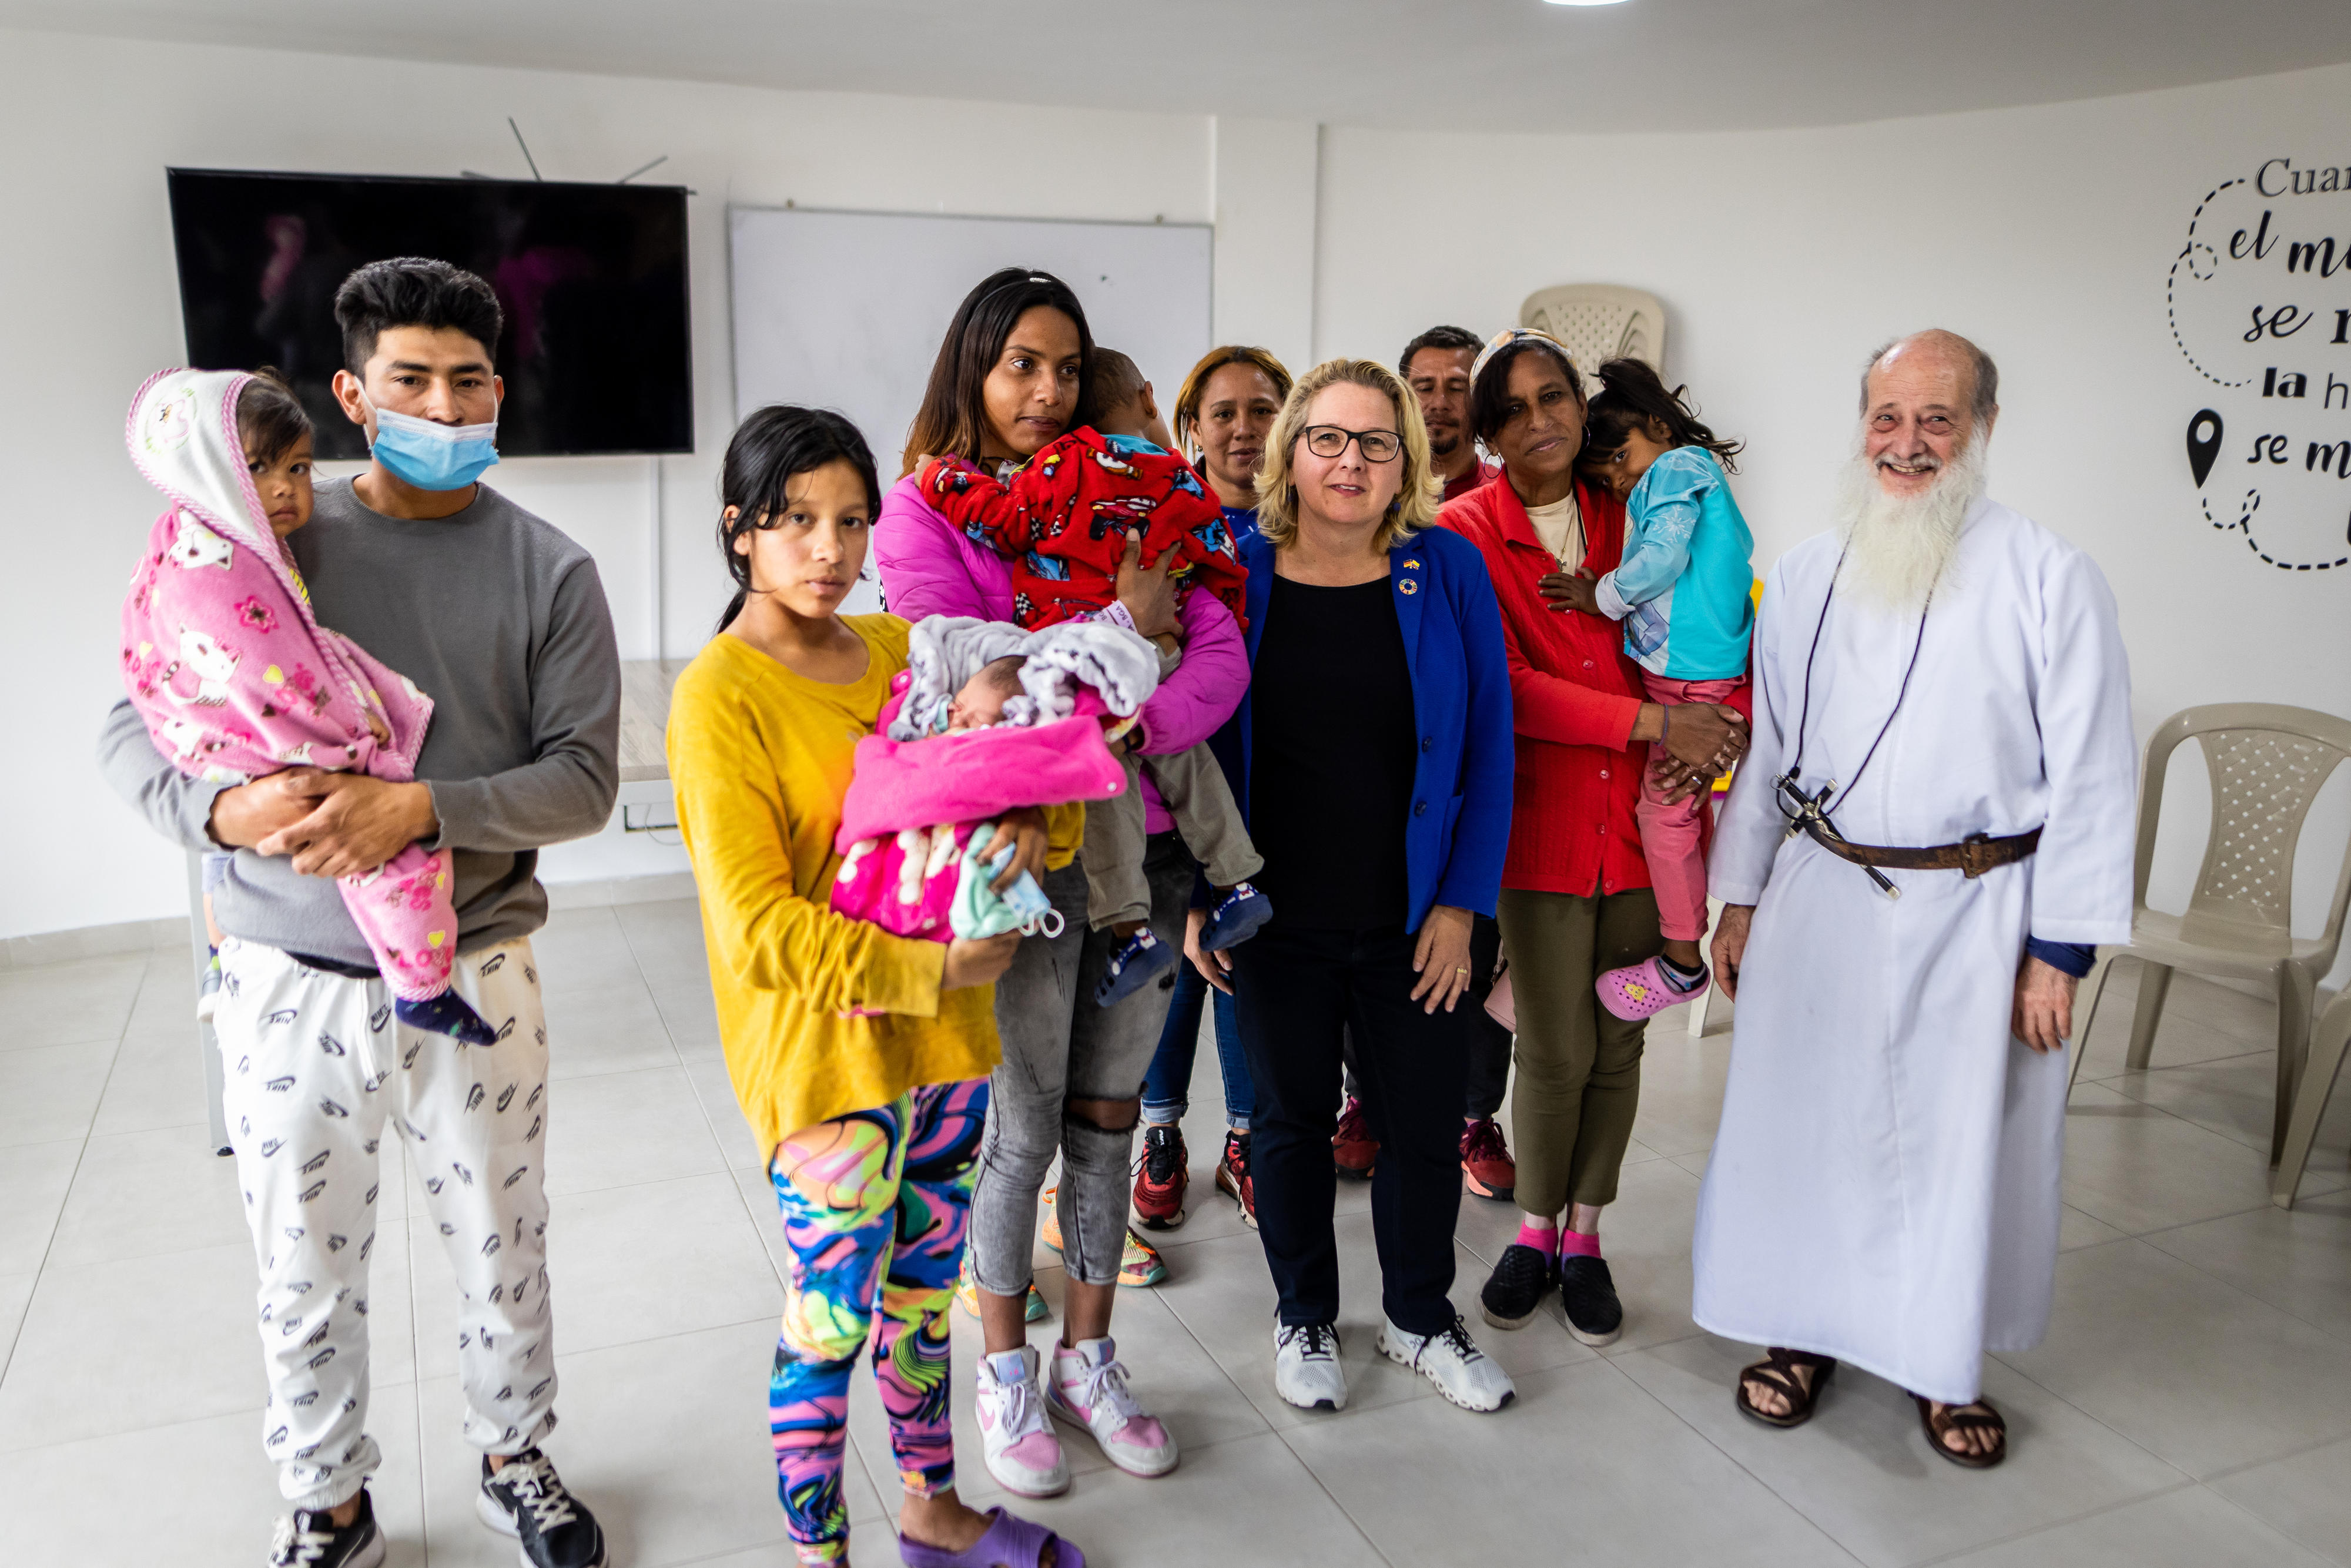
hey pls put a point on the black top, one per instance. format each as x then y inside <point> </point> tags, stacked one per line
<point>1332,756</point>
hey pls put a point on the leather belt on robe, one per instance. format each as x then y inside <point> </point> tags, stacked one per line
<point>1972,856</point>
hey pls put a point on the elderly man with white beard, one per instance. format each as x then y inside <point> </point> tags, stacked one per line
<point>1932,824</point>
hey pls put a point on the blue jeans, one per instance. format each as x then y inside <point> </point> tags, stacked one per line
<point>1167,1087</point>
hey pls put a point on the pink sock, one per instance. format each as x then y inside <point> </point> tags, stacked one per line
<point>1576,1244</point>
<point>1539,1234</point>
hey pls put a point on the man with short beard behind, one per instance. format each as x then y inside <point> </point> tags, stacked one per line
<point>1436,365</point>
<point>1933,823</point>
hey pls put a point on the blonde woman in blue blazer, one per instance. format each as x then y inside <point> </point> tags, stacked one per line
<point>1374,757</point>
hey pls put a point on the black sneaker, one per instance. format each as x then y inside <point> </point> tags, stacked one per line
<point>1516,1287</point>
<point>308,1539</point>
<point>1594,1314</point>
<point>527,1500</point>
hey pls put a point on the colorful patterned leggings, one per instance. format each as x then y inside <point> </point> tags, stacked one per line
<point>876,1206</point>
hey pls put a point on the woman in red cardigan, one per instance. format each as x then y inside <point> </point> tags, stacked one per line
<point>1575,892</point>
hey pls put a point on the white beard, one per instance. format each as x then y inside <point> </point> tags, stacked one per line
<point>1898,547</point>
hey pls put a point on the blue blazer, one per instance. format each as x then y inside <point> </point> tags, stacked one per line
<point>1460,821</point>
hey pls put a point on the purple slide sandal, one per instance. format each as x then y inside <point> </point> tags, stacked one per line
<point>1010,1543</point>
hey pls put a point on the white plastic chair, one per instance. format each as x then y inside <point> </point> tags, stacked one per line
<point>1599,322</point>
<point>2267,763</point>
<point>2328,1040</point>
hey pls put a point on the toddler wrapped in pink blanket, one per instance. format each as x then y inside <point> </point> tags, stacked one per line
<point>236,678</point>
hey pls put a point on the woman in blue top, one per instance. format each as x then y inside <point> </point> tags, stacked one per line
<point>1377,755</point>
<point>1223,413</point>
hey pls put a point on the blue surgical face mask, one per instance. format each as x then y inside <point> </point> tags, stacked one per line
<point>433,456</point>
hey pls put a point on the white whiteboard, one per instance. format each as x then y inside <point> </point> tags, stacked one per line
<point>846,309</point>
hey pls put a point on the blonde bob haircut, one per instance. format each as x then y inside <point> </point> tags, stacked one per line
<point>1415,506</point>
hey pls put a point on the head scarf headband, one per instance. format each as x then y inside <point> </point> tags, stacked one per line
<point>1509,335</point>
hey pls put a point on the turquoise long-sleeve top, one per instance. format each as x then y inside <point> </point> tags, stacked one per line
<point>1682,587</point>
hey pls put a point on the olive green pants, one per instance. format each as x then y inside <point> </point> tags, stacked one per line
<point>1579,1079</point>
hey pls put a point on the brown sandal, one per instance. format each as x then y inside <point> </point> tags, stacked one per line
<point>1777,1371</point>
<point>1979,1415</point>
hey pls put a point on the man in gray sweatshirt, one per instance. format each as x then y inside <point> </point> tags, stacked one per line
<point>501,620</point>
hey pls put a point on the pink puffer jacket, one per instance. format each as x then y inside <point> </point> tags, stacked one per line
<point>929,568</point>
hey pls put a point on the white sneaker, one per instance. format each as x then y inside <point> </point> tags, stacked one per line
<point>1306,1370</point>
<point>1088,1388</point>
<point>1016,1439</point>
<point>1452,1360</point>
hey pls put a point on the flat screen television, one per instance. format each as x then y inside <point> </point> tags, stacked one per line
<point>595,353</point>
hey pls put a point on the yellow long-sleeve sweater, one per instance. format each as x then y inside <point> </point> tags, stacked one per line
<point>760,757</point>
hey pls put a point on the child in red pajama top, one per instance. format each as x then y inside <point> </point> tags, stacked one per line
<point>1064,521</point>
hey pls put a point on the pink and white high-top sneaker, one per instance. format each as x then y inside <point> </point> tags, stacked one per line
<point>1017,1440</point>
<point>1088,1388</point>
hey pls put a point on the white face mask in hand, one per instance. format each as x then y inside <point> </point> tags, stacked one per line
<point>979,911</point>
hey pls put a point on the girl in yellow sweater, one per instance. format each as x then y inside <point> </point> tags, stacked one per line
<point>870,1124</point>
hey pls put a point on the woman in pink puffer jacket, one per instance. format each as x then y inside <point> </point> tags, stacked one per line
<point>1009,380</point>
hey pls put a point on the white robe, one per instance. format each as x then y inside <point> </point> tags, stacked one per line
<point>1884,1189</point>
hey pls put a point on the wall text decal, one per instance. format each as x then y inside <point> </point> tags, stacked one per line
<point>2260,306</point>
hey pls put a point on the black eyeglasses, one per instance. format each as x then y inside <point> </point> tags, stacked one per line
<point>1330,441</point>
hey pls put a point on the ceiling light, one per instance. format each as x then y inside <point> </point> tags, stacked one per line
<point>1583,2</point>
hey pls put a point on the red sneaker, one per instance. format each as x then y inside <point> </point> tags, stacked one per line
<point>1233,1175</point>
<point>1160,1177</point>
<point>1486,1168</point>
<point>1352,1148</point>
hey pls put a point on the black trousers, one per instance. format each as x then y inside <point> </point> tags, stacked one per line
<point>1296,992</point>
<point>1488,1042</point>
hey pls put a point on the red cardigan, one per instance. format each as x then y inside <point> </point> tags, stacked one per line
<point>1574,695</point>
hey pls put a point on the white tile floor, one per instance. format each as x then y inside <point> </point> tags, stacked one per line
<point>2192,1405</point>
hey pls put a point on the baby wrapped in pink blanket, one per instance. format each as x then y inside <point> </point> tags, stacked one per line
<point>236,678</point>
<point>985,719</point>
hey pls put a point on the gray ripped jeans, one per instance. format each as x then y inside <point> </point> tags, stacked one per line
<point>1058,1045</point>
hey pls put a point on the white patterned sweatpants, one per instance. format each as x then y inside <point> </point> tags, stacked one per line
<point>316,1068</point>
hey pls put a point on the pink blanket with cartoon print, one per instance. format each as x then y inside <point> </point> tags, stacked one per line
<point>913,805</point>
<point>236,678</point>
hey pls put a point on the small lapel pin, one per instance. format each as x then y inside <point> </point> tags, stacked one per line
<point>1407,586</point>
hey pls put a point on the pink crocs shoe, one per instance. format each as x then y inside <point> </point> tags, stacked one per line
<point>1641,991</point>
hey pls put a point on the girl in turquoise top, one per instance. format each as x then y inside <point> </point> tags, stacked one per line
<point>1682,593</point>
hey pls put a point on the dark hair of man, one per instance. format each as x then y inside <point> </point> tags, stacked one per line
<point>1490,395</point>
<point>413,291</point>
<point>269,418</point>
<point>1118,384</point>
<point>953,415</point>
<point>769,450</point>
<point>1450,339</point>
<point>1632,397</point>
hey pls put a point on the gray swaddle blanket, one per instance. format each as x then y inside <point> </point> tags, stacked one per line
<point>943,652</point>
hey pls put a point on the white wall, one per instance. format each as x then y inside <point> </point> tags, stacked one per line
<point>1784,257</point>
<point>86,128</point>
<point>1265,174</point>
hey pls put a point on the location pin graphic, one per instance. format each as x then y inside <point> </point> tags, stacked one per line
<point>2203,444</point>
